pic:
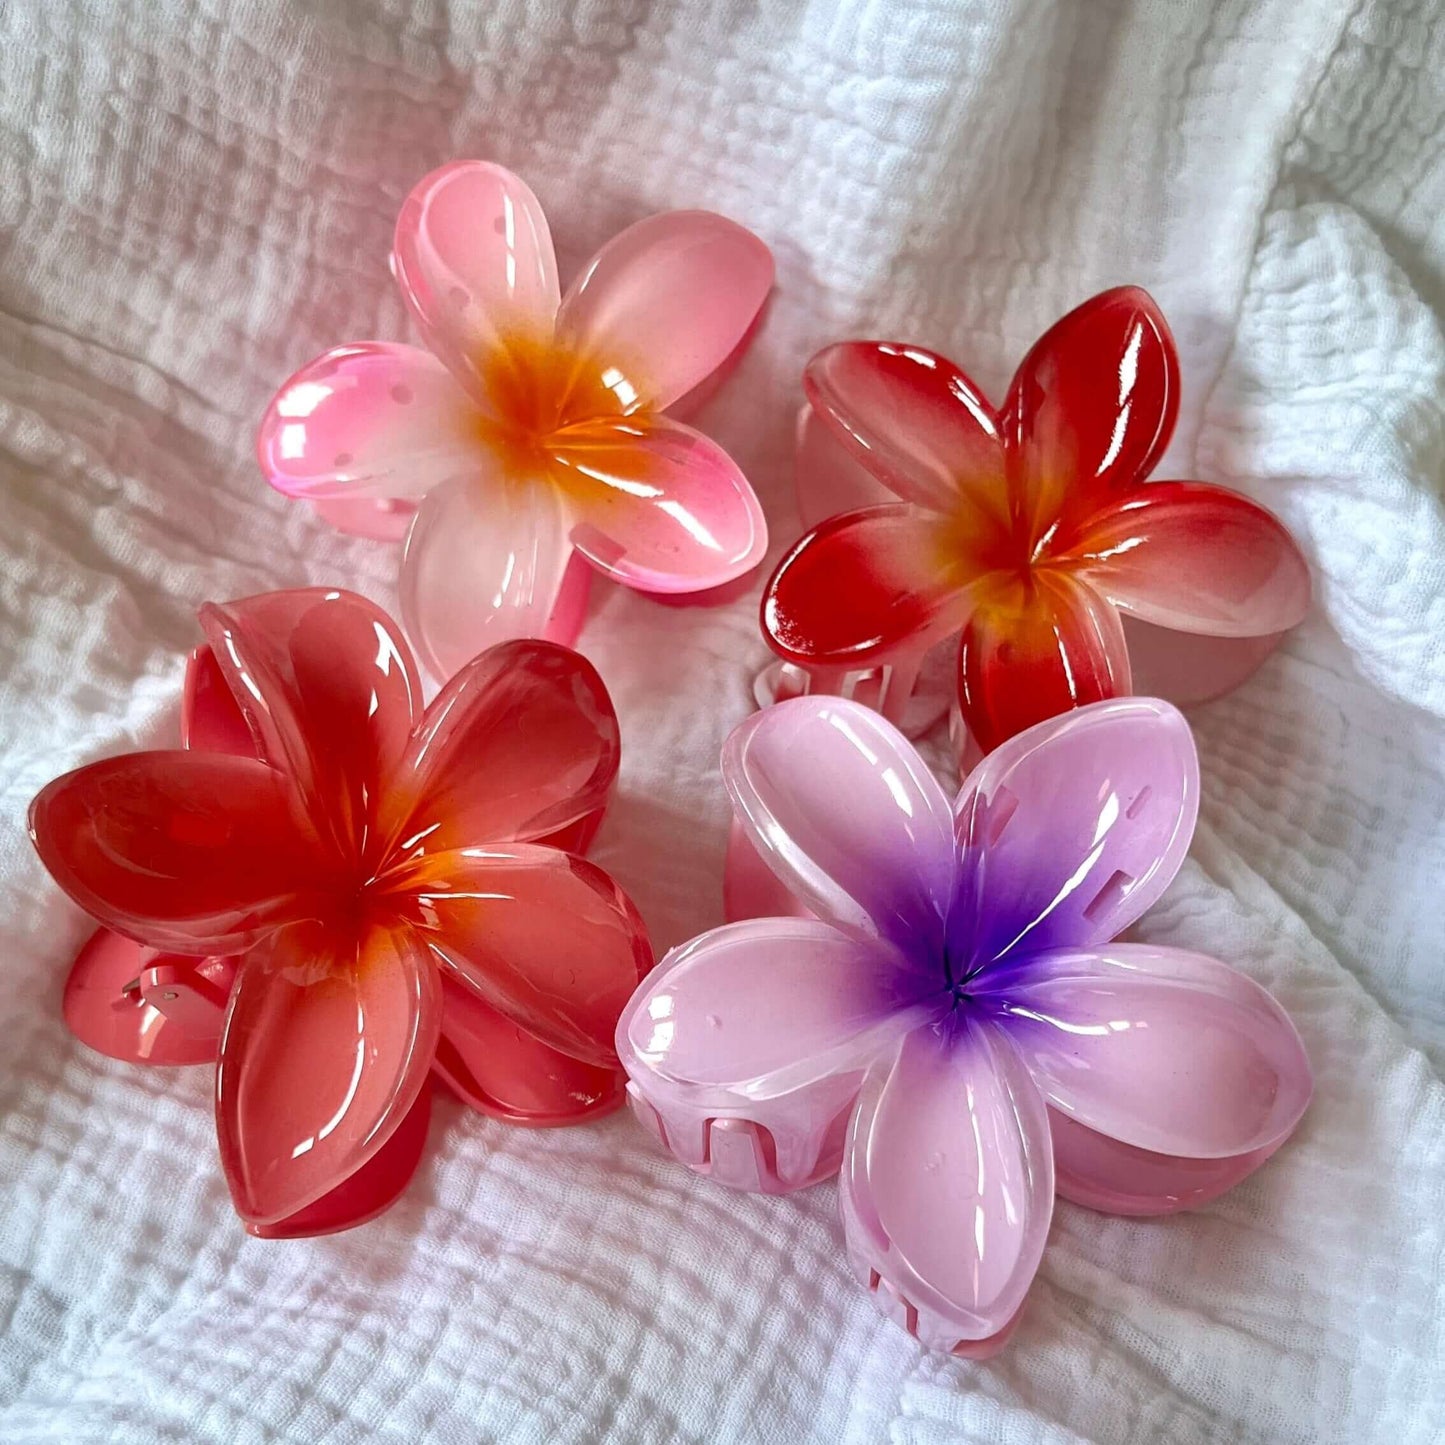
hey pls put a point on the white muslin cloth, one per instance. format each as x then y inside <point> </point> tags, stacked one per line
<point>196,196</point>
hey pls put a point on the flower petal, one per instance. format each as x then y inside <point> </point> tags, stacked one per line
<point>948,1181</point>
<point>1190,667</point>
<point>773,1022</point>
<point>1100,1173</point>
<point>915,420</point>
<point>845,812</point>
<point>1091,408</point>
<point>546,938</point>
<point>483,564</point>
<point>519,745</point>
<point>828,478</point>
<point>1072,829</point>
<point>327,1046</point>
<point>364,422</point>
<point>658,505</point>
<point>1168,1051</point>
<point>665,303</point>
<point>371,1191</point>
<point>473,257</point>
<point>329,687</point>
<point>379,519</point>
<point>1035,649</point>
<point>499,1069</point>
<point>211,719</point>
<point>1197,558</point>
<point>193,853</point>
<point>865,586</point>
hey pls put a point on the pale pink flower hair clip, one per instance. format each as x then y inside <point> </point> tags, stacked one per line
<point>528,445</point>
<point>953,1026</point>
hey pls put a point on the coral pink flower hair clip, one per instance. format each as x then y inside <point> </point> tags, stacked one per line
<point>530,440</point>
<point>334,893</point>
<point>1029,532</point>
<point>955,1028</point>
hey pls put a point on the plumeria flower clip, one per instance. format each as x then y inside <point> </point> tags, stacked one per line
<point>1030,532</point>
<point>530,438</point>
<point>952,1027</point>
<point>334,893</point>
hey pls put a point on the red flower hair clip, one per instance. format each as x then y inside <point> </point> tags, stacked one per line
<point>335,892</point>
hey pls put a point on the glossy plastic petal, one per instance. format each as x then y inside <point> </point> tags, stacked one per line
<point>1100,1173</point>
<point>948,1182</point>
<point>772,1022</point>
<point>1190,667</point>
<point>1072,829</point>
<point>379,519</point>
<point>501,1070</point>
<point>918,423</point>
<point>665,303</point>
<point>327,1046</point>
<point>845,812</point>
<point>1196,558</point>
<point>1033,650</point>
<point>330,689</point>
<point>750,888</point>
<point>828,478</point>
<point>473,257</point>
<point>1091,408</point>
<point>193,853</point>
<point>1169,1051</point>
<point>484,563</point>
<point>372,1190</point>
<point>867,586</point>
<point>369,421</point>
<point>546,938</point>
<point>657,505</point>
<point>211,719</point>
<point>521,744</point>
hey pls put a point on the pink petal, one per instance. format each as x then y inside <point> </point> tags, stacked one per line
<point>828,478</point>
<point>1191,667</point>
<point>1197,558</point>
<point>192,853</point>
<point>1100,1173</point>
<point>473,257</point>
<point>750,888</point>
<point>499,1069</point>
<point>947,1184</point>
<point>1169,1051</point>
<point>845,812</point>
<point>1072,829</point>
<point>379,519</point>
<point>915,420</point>
<point>364,422</point>
<point>666,302</point>
<point>211,719</point>
<point>657,505</point>
<point>547,939</point>
<point>520,745</point>
<point>773,1022</point>
<point>330,690</point>
<point>484,563</point>
<point>371,1191</point>
<point>327,1046</point>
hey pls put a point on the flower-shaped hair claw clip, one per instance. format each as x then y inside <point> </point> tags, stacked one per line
<point>530,440</point>
<point>1027,531</point>
<point>332,892</point>
<point>954,1027</point>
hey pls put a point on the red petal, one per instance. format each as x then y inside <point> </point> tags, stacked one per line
<point>502,1070</point>
<point>1196,558</point>
<point>330,689</point>
<point>548,939</point>
<point>916,422</point>
<point>327,1045</point>
<point>193,853</point>
<point>521,743</point>
<point>1036,649</point>
<point>211,720</point>
<point>1091,408</point>
<point>866,585</point>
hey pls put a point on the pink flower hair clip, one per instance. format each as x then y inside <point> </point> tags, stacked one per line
<point>333,893</point>
<point>1030,533</point>
<point>952,1026</point>
<point>529,444</point>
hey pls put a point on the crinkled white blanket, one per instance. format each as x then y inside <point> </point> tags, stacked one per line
<point>197,195</point>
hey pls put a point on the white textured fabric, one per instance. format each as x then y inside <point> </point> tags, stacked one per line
<point>197,195</point>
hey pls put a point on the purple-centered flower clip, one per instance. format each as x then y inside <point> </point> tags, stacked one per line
<point>955,1028</point>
